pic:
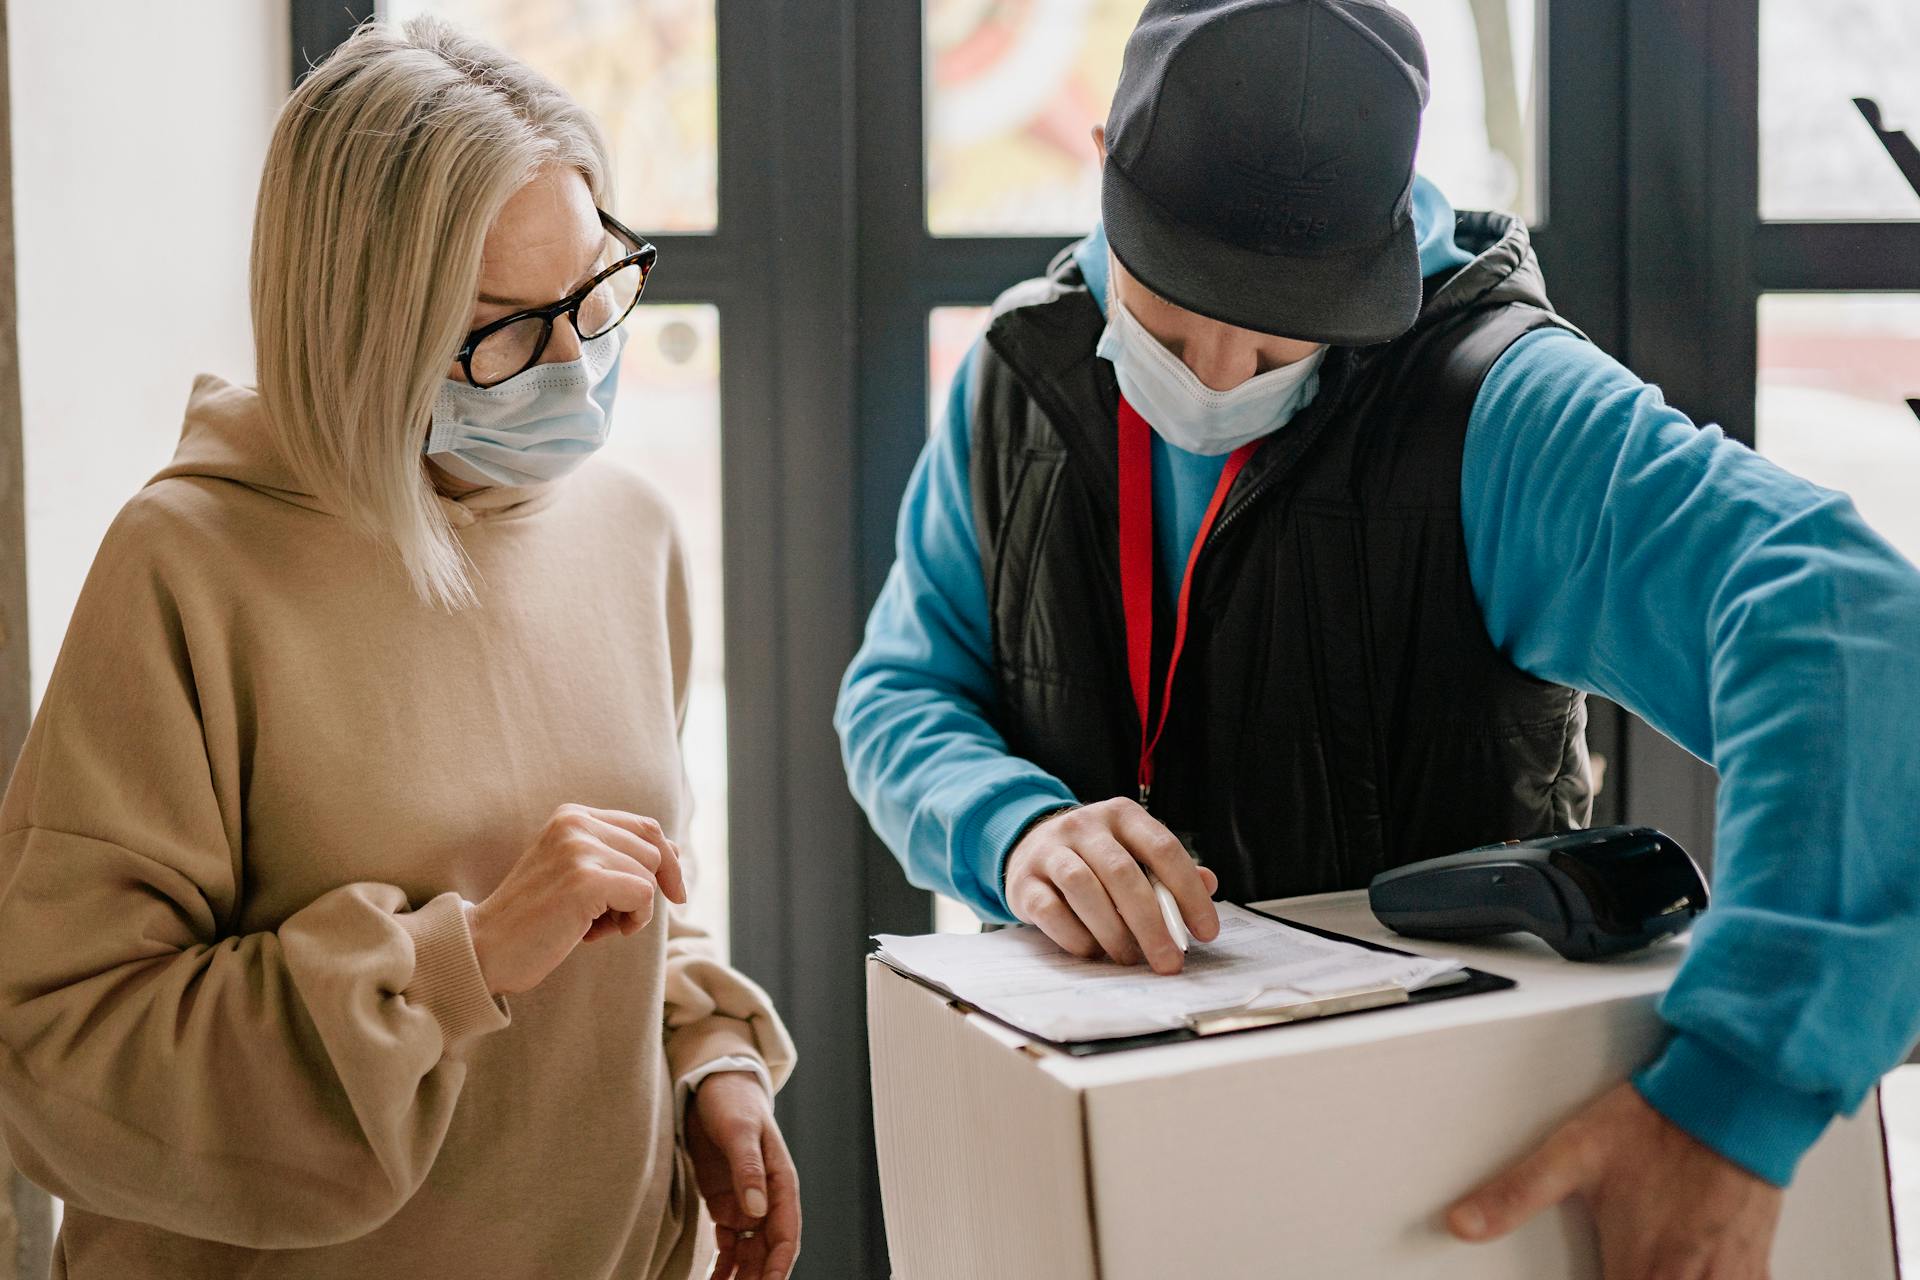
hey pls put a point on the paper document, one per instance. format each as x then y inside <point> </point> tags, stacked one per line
<point>1021,976</point>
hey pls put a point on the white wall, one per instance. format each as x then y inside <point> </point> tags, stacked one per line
<point>138,135</point>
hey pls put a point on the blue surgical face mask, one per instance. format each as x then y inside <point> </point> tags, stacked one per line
<point>536,426</point>
<point>1185,411</point>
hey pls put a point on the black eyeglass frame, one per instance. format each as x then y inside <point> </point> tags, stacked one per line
<point>644,254</point>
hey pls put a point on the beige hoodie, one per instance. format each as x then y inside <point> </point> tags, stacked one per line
<point>242,1028</point>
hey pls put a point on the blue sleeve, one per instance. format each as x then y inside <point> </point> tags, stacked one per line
<point>915,709</point>
<point>1754,618</point>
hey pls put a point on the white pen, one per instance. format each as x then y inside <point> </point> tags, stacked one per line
<point>1170,912</point>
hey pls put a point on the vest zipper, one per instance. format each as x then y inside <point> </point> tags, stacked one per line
<point>1276,474</point>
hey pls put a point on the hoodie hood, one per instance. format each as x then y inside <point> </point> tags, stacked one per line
<point>1503,269</point>
<point>225,437</point>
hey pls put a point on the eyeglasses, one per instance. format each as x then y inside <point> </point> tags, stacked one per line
<point>513,344</point>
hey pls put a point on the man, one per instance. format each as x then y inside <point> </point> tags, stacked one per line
<point>1290,429</point>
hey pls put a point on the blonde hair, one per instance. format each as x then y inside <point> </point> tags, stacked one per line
<point>387,166</point>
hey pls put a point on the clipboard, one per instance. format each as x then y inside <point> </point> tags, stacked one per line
<point>1256,1017</point>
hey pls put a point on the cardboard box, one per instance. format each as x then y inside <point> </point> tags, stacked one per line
<point>1322,1149</point>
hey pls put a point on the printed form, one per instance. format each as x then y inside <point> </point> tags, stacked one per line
<point>1020,976</point>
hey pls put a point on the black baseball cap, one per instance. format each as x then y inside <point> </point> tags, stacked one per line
<point>1260,164</point>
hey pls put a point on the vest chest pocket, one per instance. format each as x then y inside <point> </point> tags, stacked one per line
<point>1058,654</point>
<point>1027,583</point>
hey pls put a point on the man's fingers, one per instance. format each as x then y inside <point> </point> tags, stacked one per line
<point>1081,887</point>
<point>1045,908</point>
<point>1541,1180</point>
<point>1132,894</point>
<point>1148,839</point>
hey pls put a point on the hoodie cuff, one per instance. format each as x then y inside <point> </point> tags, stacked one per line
<point>691,1048</point>
<point>1003,819</point>
<point>1753,1121</point>
<point>447,981</point>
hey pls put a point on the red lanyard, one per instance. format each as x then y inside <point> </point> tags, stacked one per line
<point>1136,572</point>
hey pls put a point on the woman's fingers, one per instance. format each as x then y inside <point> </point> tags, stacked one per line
<point>778,1236</point>
<point>653,838</point>
<point>783,1218</point>
<point>611,922</point>
<point>609,890</point>
<point>624,851</point>
<point>753,1257</point>
<point>726,1251</point>
<point>749,1171</point>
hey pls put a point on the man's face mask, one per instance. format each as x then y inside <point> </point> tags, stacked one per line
<point>1185,411</point>
<point>536,426</point>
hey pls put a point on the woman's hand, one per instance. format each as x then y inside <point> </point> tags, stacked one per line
<point>746,1177</point>
<point>592,872</point>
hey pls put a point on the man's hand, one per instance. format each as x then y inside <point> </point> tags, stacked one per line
<point>745,1175</point>
<point>1664,1205</point>
<point>1078,876</point>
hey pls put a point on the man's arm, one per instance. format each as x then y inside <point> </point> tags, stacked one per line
<point>921,752</point>
<point>1755,619</point>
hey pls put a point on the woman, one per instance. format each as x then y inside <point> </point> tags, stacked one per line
<point>331,932</point>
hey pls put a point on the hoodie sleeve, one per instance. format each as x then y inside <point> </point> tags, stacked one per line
<point>1756,620</point>
<point>916,706</point>
<point>278,1089</point>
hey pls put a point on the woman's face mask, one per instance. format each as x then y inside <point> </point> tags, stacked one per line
<point>548,242</point>
<point>536,426</point>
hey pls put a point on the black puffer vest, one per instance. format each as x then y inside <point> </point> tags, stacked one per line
<point>1339,708</point>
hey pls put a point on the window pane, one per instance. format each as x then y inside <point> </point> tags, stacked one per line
<point>950,335</point>
<point>1819,158</point>
<point>1014,88</point>
<point>644,68</point>
<point>1900,1109</point>
<point>1835,374</point>
<point>950,916</point>
<point>666,426</point>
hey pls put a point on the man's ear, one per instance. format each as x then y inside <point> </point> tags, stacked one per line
<point>1100,142</point>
